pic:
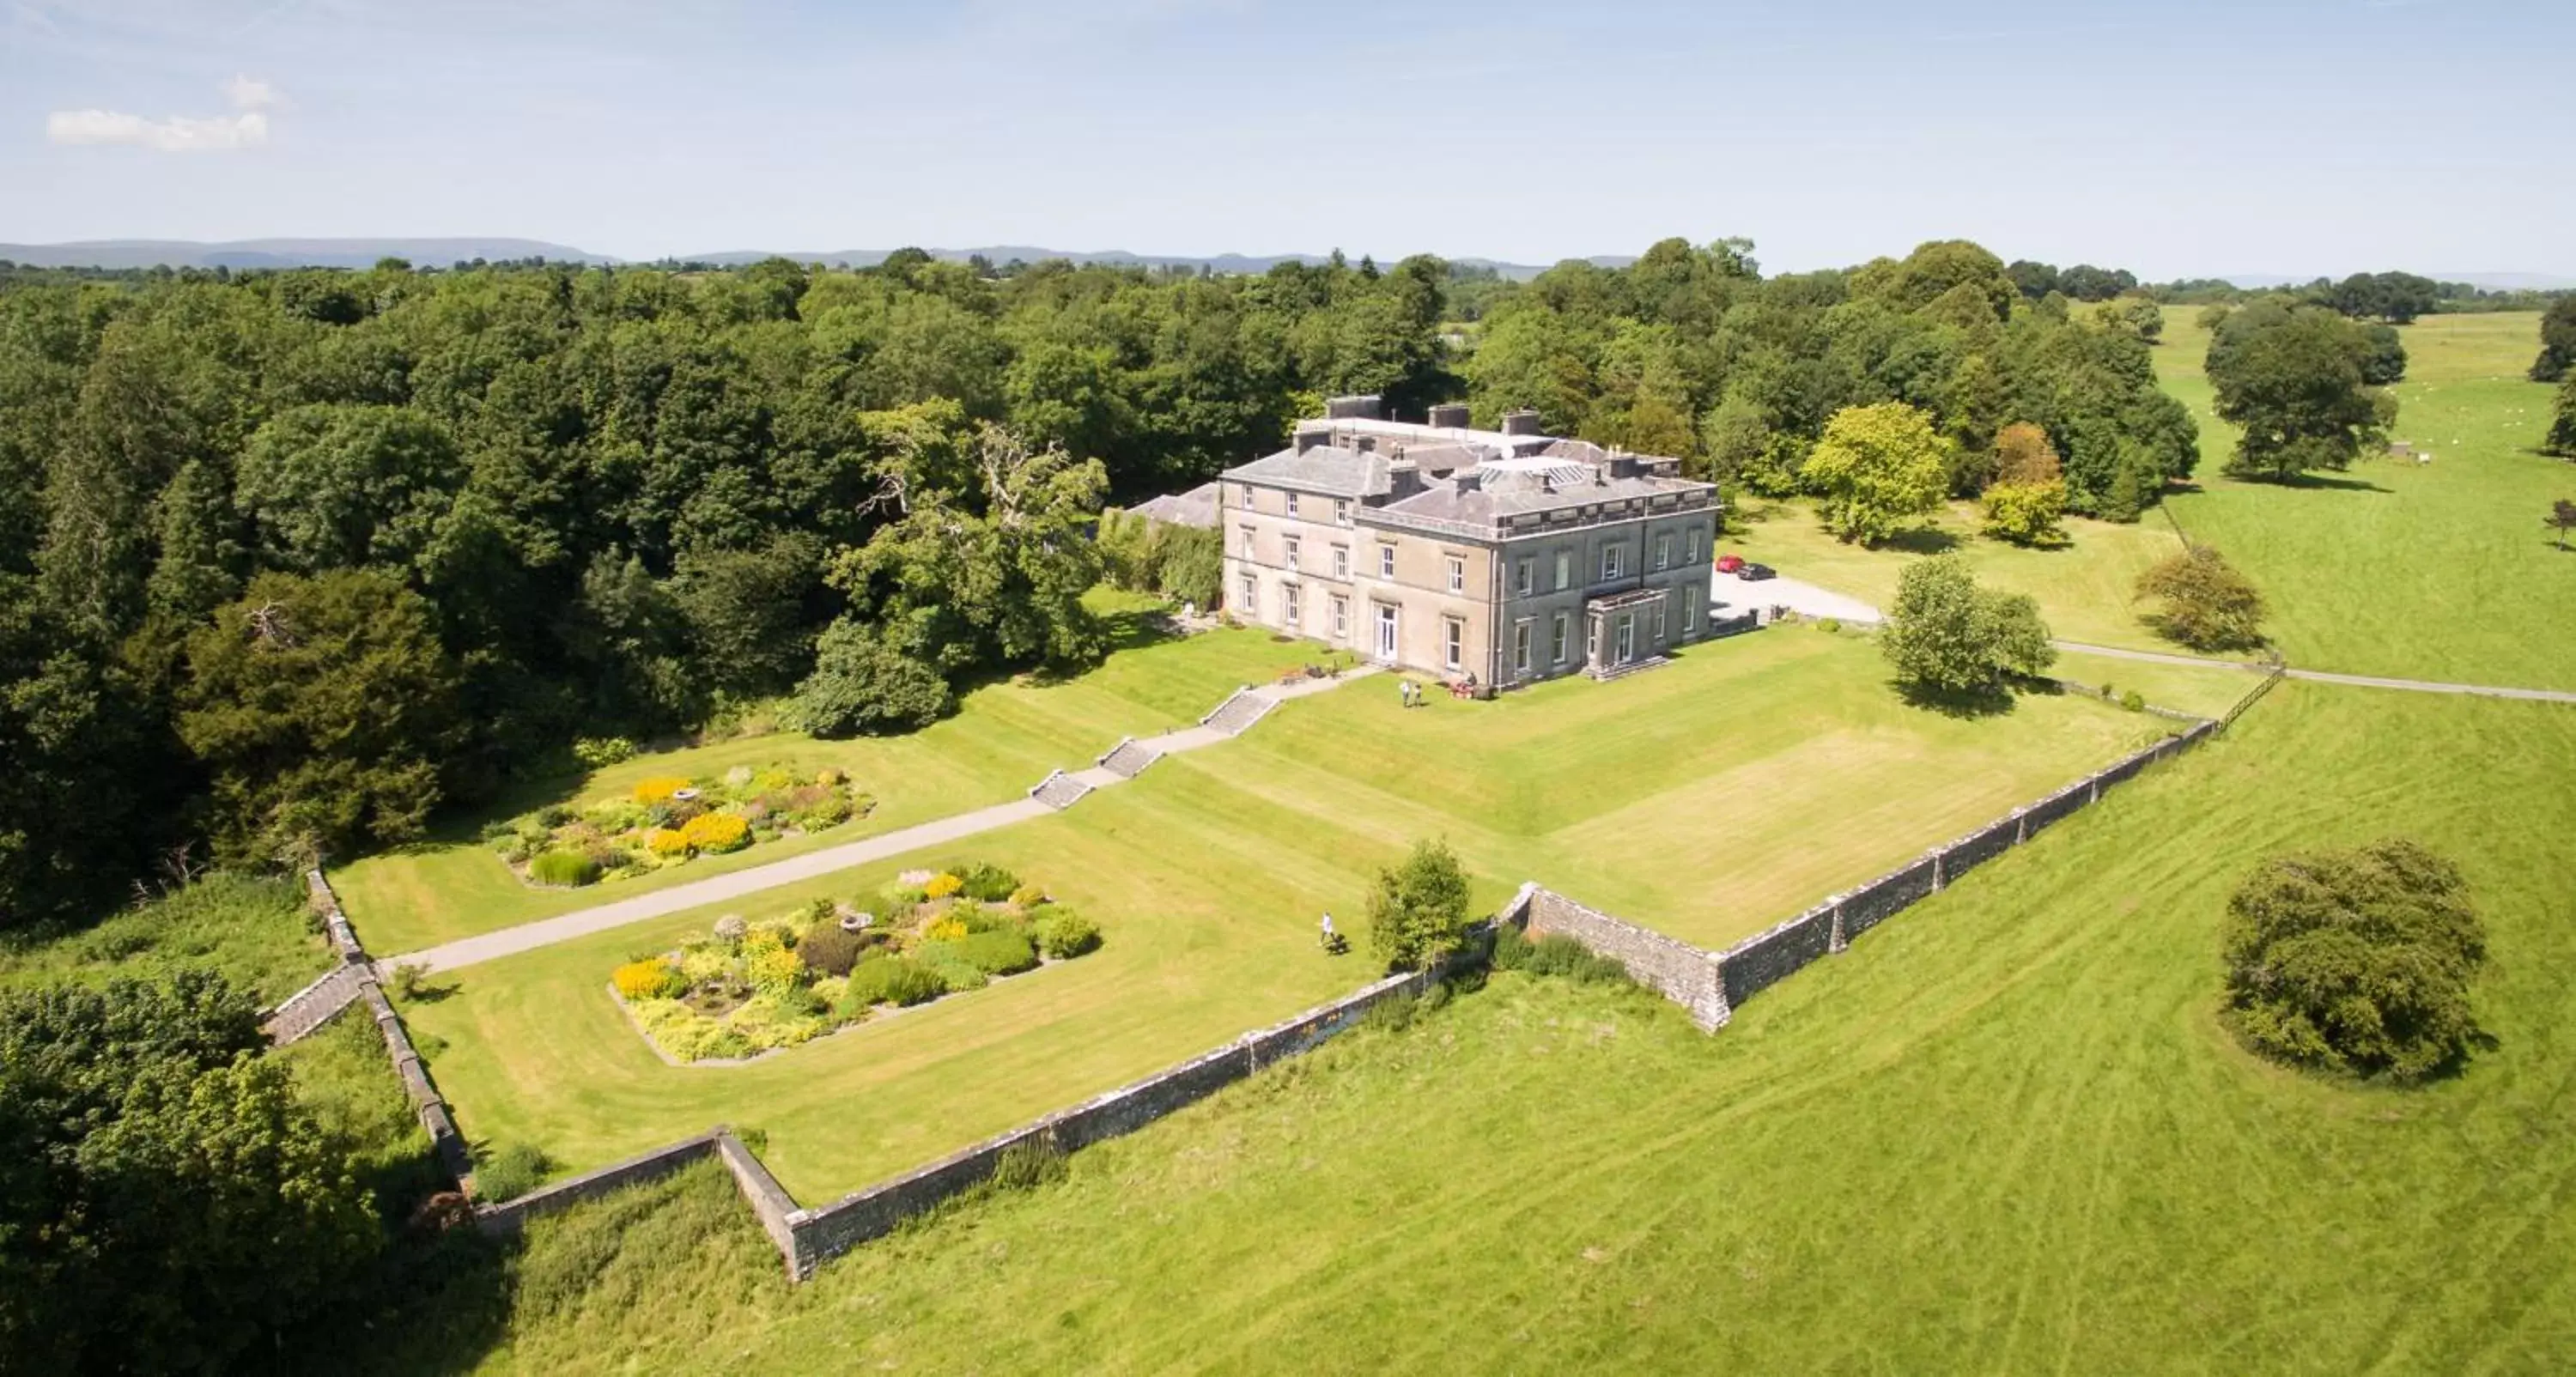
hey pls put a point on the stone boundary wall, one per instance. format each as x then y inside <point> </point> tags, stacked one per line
<point>1671,967</point>
<point>510,1216</point>
<point>1678,971</point>
<point>435,1117</point>
<point>830,1230</point>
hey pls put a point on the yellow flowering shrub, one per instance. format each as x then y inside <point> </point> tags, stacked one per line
<point>943,885</point>
<point>658,789</point>
<point>716,832</point>
<point>703,965</point>
<point>667,842</point>
<point>654,978</point>
<point>771,968</point>
<point>947,929</point>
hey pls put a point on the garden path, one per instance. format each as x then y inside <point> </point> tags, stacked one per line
<point>491,946</point>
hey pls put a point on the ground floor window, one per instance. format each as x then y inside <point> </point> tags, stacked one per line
<point>1385,631</point>
<point>1659,621</point>
<point>1250,602</point>
<point>1453,643</point>
<point>1690,611</point>
<point>1341,617</point>
<point>1557,639</point>
<point>1521,647</point>
<point>1592,640</point>
<point>1290,605</point>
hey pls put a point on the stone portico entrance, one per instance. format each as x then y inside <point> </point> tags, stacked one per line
<point>1625,632</point>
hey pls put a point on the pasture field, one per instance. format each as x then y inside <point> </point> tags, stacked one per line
<point>255,931</point>
<point>2430,571</point>
<point>2005,1132</point>
<point>1003,739</point>
<point>1708,798</point>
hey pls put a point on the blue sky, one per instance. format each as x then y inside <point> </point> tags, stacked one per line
<point>2173,137</point>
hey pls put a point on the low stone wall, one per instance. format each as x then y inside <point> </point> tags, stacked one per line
<point>830,1230</point>
<point>1767,958</point>
<point>431,1107</point>
<point>1678,971</point>
<point>510,1216</point>
<point>1874,903</point>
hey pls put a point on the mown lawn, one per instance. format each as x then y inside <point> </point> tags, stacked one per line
<point>1003,739</point>
<point>2431,571</point>
<point>2085,588</point>
<point>1708,798</point>
<point>2005,1132</point>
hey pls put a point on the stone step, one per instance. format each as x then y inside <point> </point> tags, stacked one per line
<point>1129,758</point>
<point>1238,712</point>
<point>1059,790</point>
<point>1632,667</point>
<point>313,1006</point>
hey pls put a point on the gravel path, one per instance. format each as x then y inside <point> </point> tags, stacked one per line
<point>491,946</point>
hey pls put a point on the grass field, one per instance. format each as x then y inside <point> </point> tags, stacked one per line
<point>2005,1132</point>
<point>2084,588</point>
<point>1003,739</point>
<point>2434,571</point>
<point>1708,798</point>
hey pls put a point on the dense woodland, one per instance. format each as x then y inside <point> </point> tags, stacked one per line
<point>290,561</point>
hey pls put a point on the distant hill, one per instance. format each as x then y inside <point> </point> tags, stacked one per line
<point>285,253</point>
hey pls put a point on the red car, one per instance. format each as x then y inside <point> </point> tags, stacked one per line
<point>1728,564</point>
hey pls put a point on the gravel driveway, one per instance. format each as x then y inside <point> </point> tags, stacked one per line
<point>1732,593</point>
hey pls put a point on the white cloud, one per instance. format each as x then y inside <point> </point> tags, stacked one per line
<point>248,128</point>
<point>247,94</point>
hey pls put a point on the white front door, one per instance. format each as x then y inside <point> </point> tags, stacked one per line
<point>1385,632</point>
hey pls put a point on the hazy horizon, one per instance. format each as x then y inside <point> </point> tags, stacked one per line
<point>2294,138</point>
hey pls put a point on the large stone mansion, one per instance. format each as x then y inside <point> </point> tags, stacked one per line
<point>1498,556</point>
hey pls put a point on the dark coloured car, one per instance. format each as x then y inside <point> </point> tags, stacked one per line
<point>1755,573</point>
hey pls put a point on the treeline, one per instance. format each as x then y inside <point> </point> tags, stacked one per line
<point>2395,297</point>
<point>288,560</point>
<point>1691,352</point>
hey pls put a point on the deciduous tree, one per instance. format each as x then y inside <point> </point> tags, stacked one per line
<point>2562,519</point>
<point>2292,378</point>
<point>1948,638</point>
<point>2203,602</point>
<point>1417,910</point>
<point>1879,470</point>
<point>2557,341</point>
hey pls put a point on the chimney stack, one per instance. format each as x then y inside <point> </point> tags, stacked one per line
<point>1353,408</point>
<point>1523,422</point>
<point>1449,416</point>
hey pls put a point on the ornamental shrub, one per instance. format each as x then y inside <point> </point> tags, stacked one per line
<point>996,953</point>
<point>2356,962</point>
<point>652,978</point>
<point>599,752</point>
<point>511,1172</point>
<point>731,929</point>
<point>716,832</point>
<point>772,969</point>
<point>989,884</point>
<point>666,842</point>
<point>2133,701</point>
<point>942,885</point>
<point>569,868</point>
<point>1027,897</point>
<point>1064,934</point>
<point>957,977</point>
<point>829,812</point>
<point>901,898</point>
<point>895,980</point>
<point>826,948</point>
<point>947,929</point>
<point>658,789</point>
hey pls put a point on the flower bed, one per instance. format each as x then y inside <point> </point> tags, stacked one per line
<point>669,820</point>
<point>749,988</point>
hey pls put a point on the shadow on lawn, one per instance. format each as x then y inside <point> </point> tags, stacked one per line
<point>1968,705</point>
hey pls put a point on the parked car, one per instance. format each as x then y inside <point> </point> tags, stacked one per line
<point>1728,564</point>
<point>1755,573</point>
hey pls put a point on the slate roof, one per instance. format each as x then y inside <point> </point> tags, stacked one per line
<point>1477,505</point>
<point>1197,507</point>
<point>1324,469</point>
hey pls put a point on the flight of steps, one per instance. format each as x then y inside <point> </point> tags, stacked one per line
<point>309,1008</point>
<point>1059,790</point>
<point>1129,758</point>
<point>1239,711</point>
